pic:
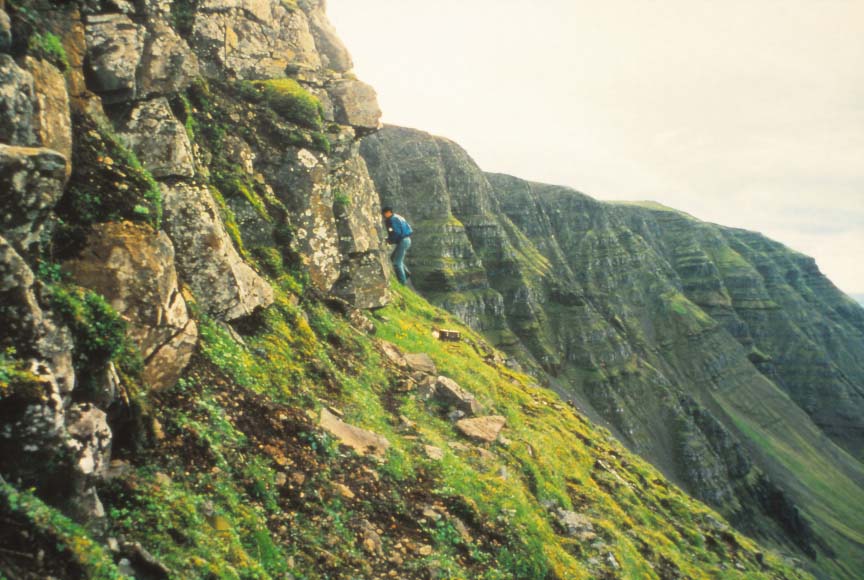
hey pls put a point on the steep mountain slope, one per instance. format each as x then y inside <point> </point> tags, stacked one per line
<point>703,347</point>
<point>189,385</point>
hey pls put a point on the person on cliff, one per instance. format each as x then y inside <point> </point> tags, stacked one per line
<point>398,234</point>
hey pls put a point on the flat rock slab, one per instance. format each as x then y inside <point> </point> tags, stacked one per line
<point>484,429</point>
<point>421,363</point>
<point>393,354</point>
<point>363,441</point>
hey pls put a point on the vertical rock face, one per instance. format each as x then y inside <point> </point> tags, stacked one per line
<point>684,337</point>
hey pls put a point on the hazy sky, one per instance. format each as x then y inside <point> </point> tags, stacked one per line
<point>748,113</point>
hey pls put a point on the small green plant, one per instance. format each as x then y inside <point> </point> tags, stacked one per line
<point>48,46</point>
<point>98,329</point>
<point>341,199</point>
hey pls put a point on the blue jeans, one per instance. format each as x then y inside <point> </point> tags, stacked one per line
<point>398,257</point>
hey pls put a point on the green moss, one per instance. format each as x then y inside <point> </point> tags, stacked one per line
<point>49,47</point>
<point>16,378</point>
<point>293,102</point>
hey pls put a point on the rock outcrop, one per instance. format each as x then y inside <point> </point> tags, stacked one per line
<point>133,267</point>
<point>228,288</point>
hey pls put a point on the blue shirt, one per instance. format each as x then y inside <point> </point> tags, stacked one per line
<point>397,229</point>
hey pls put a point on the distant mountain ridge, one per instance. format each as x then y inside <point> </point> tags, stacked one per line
<point>707,349</point>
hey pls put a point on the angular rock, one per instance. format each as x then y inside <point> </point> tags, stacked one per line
<point>31,184</point>
<point>252,39</point>
<point>91,438</point>
<point>448,392</point>
<point>392,352</point>
<point>168,65</point>
<point>16,103</point>
<point>356,104</point>
<point>483,429</point>
<point>158,139</point>
<point>52,121</point>
<point>114,47</point>
<point>361,440</point>
<point>422,363</point>
<point>133,267</point>
<point>206,257</point>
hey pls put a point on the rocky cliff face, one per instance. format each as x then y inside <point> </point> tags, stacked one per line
<point>153,154</point>
<point>707,349</point>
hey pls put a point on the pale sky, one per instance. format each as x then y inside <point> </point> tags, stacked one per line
<point>747,113</point>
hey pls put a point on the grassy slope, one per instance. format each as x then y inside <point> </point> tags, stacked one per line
<point>208,499</point>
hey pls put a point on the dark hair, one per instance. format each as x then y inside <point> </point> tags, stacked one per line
<point>386,208</point>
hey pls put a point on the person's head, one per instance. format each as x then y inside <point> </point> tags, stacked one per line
<point>386,211</point>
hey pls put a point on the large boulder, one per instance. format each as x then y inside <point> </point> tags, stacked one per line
<point>158,139</point>
<point>482,429</point>
<point>52,121</point>
<point>252,39</point>
<point>31,184</point>
<point>133,267</point>
<point>222,282</point>
<point>16,103</point>
<point>300,179</point>
<point>167,64</point>
<point>114,47</point>
<point>356,104</point>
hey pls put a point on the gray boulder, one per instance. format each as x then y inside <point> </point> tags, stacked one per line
<point>31,183</point>
<point>167,64</point>
<point>158,139</point>
<point>24,325</point>
<point>114,47</point>
<point>16,103</point>
<point>206,257</point>
<point>356,104</point>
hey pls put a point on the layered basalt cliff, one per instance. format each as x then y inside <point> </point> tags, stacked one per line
<point>707,349</point>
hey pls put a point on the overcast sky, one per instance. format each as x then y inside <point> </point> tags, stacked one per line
<point>748,113</point>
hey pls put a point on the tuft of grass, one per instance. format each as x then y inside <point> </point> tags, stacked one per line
<point>49,47</point>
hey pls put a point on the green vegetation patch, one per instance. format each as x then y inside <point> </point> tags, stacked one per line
<point>290,100</point>
<point>49,47</point>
